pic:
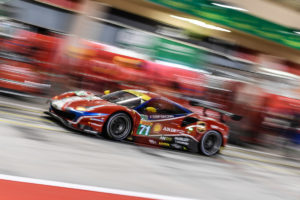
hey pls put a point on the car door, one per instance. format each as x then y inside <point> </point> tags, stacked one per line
<point>161,117</point>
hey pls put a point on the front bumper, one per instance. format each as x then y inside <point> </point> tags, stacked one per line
<point>68,124</point>
<point>63,121</point>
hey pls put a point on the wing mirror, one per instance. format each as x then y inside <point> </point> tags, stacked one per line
<point>151,109</point>
<point>107,92</point>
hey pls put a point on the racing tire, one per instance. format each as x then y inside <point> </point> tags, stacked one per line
<point>210,143</point>
<point>118,126</point>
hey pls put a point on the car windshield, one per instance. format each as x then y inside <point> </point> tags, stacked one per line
<point>123,98</point>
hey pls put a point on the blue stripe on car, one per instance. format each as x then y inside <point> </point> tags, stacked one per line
<point>84,113</point>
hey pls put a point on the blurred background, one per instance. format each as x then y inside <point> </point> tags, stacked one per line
<point>235,55</point>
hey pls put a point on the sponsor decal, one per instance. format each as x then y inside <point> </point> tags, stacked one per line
<point>176,146</point>
<point>201,127</point>
<point>157,128</point>
<point>164,144</point>
<point>161,116</point>
<point>189,130</point>
<point>164,138</point>
<point>146,123</point>
<point>182,140</point>
<point>182,143</point>
<point>152,141</point>
<point>173,130</point>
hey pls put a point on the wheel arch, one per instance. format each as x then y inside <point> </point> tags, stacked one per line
<point>222,129</point>
<point>120,111</point>
<point>220,132</point>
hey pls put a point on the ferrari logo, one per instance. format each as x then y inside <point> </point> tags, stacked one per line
<point>201,127</point>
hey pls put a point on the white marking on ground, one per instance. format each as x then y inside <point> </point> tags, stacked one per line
<point>88,188</point>
<point>16,105</point>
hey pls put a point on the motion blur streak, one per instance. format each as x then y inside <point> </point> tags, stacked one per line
<point>206,57</point>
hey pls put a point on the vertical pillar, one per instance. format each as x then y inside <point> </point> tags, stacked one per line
<point>80,29</point>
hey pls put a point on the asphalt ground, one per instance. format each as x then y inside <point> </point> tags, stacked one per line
<point>35,146</point>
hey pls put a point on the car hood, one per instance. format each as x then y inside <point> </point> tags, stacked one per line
<point>89,102</point>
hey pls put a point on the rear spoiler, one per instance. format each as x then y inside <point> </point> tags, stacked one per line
<point>206,107</point>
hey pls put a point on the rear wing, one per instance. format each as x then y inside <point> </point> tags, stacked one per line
<point>195,102</point>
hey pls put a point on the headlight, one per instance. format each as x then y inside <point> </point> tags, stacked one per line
<point>80,108</point>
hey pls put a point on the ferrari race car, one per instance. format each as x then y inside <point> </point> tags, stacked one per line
<point>142,117</point>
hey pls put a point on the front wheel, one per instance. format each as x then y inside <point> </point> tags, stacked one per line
<point>118,126</point>
<point>210,143</point>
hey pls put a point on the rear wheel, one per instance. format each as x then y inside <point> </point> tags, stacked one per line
<point>210,143</point>
<point>118,126</point>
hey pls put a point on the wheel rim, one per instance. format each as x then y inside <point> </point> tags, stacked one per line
<point>211,143</point>
<point>119,126</point>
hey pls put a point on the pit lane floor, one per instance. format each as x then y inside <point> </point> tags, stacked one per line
<point>32,145</point>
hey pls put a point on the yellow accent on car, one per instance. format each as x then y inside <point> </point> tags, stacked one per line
<point>151,109</point>
<point>142,95</point>
<point>165,144</point>
<point>107,92</point>
<point>80,108</point>
<point>157,127</point>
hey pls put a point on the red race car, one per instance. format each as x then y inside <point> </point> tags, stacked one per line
<point>143,117</point>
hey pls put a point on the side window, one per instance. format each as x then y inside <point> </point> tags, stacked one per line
<point>162,107</point>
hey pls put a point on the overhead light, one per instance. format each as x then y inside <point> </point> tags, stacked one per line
<point>230,7</point>
<point>179,66</point>
<point>279,73</point>
<point>200,23</point>
<point>297,32</point>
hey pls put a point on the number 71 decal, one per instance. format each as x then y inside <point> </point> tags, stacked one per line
<point>143,129</point>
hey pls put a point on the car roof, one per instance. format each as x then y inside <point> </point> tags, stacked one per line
<point>144,95</point>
